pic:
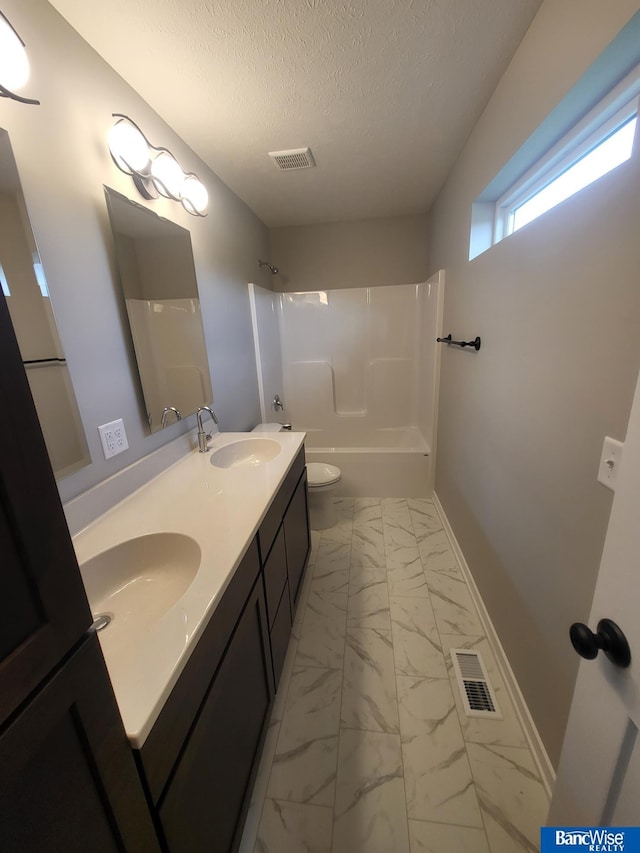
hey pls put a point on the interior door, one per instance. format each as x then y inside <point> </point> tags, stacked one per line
<point>43,606</point>
<point>598,780</point>
<point>68,780</point>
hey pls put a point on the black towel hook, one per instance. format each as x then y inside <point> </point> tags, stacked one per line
<point>475,343</point>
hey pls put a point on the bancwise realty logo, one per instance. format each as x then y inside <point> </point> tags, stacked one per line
<point>619,839</point>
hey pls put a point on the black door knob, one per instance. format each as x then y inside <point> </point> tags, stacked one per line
<point>609,638</point>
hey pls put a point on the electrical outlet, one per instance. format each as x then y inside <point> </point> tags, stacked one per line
<point>113,438</point>
<point>610,463</point>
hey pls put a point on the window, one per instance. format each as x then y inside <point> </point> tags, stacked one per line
<point>541,175</point>
<point>602,152</point>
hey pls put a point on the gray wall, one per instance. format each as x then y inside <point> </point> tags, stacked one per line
<point>63,160</point>
<point>522,422</point>
<point>361,253</point>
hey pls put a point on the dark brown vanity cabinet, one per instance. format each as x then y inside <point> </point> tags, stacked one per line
<point>68,780</point>
<point>200,757</point>
<point>284,547</point>
<point>203,806</point>
<point>278,602</point>
<point>297,537</point>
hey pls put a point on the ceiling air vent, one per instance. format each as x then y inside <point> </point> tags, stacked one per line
<point>477,693</point>
<point>296,158</point>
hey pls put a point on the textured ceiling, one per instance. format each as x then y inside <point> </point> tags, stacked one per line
<point>385,92</point>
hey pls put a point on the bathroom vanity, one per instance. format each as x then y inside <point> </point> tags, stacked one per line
<point>195,672</point>
<point>199,759</point>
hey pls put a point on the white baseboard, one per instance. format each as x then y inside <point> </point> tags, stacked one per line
<point>545,768</point>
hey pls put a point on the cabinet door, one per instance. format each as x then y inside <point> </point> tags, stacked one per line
<point>204,803</point>
<point>43,606</point>
<point>297,539</point>
<point>68,781</point>
<point>280,634</point>
<point>275,575</point>
<point>162,749</point>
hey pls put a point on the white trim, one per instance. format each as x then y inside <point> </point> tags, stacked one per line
<point>609,112</point>
<point>492,219</point>
<point>3,283</point>
<point>545,768</point>
<point>438,278</point>
<point>256,347</point>
<point>570,151</point>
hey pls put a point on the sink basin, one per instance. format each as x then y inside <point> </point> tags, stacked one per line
<point>248,452</point>
<point>139,580</point>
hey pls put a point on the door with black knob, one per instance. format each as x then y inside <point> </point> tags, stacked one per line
<point>68,780</point>
<point>598,780</point>
<point>43,606</point>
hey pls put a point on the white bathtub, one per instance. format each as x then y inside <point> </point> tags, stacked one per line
<point>388,463</point>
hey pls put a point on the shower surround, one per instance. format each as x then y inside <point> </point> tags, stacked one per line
<point>360,371</point>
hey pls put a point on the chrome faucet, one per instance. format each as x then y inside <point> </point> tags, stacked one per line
<point>204,437</point>
<point>278,405</point>
<point>165,413</point>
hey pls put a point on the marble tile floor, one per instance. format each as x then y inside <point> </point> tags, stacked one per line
<point>368,749</point>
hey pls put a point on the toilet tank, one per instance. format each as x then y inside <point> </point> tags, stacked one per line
<point>268,428</point>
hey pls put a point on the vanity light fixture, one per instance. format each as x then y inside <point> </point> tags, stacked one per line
<point>14,63</point>
<point>155,171</point>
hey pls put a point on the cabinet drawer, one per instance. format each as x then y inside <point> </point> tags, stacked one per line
<point>273,518</point>
<point>161,749</point>
<point>280,634</point>
<point>275,575</point>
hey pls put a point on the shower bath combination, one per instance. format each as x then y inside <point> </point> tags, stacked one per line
<point>359,371</point>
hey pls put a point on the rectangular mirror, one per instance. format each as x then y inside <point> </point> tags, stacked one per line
<point>25,287</point>
<point>158,278</point>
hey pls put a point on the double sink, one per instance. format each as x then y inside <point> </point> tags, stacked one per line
<point>171,549</point>
<point>138,580</point>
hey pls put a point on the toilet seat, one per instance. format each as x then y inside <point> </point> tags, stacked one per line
<point>321,474</point>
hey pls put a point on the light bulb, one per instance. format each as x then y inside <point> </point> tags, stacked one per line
<point>14,63</point>
<point>128,147</point>
<point>194,195</point>
<point>167,175</point>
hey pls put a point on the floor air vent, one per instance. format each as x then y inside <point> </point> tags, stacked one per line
<point>296,158</point>
<point>477,693</point>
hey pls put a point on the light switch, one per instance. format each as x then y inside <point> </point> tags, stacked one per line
<point>610,463</point>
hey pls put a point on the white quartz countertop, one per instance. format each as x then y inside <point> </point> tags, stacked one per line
<point>221,509</point>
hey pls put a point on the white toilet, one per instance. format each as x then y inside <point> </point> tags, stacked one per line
<point>322,479</point>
